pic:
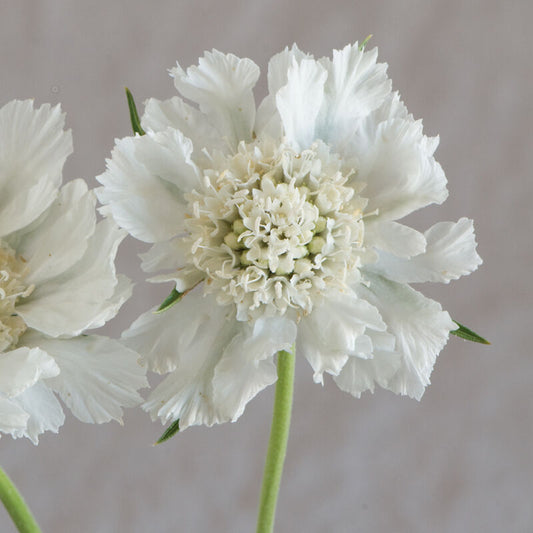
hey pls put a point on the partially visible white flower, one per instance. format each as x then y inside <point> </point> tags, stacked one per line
<point>279,224</point>
<point>57,279</point>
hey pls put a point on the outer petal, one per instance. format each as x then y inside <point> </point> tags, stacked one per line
<point>299,101</point>
<point>361,372</point>
<point>99,376</point>
<point>450,254</point>
<point>45,411</point>
<point>175,113</point>
<point>33,149</point>
<point>163,338</point>
<point>165,255</point>
<point>58,239</point>
<point>22,368</point>
<point>220,364</point>
<point>394,238</point>
<point>200,331</point>
<point>397,166</point>
<point>356,86</point>
<point>421,329</point>
<point>329,335</point>
<point>13,419</point>
<point>247,366</point>
<point>146,206</point>
<point>86,295</point>
<point>222,86</point>
<point>268,121</point>
<point>167,155</point>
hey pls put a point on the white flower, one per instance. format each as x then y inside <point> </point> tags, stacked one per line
<point>57,279</point>
<point>279,225</point>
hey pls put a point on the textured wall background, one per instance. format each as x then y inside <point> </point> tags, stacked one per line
<point>462,459</point>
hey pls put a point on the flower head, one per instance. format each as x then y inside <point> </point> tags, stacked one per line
<point>278,225</point>
<point>57,279</point>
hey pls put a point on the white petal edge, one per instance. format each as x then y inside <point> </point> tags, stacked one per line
<point>247,367</point>
<point>268,122</point>
<point>167,155</point>
<point>86,295</point>
<point>397,167</point>
<point>99,376</point>
<point>45,411</point>
<point>356,85</point>
<point>58,239</point>
<point>420,326</point>
<point>450,254</point>
<point>22,368</point>
<point>299,101</point>
<point>361,374</point>
<point>175,113</point>
<point>394,238</point>
<point>150,209</point>
<point>222,86</point>
<point>328,336</point>
<point>13,419</point>
<point>33,150</point>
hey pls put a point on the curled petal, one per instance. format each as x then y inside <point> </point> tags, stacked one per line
<point>33,150</point>
<point>222,86</point>
<point>99,376</point>
<point>421,329</point>
<point>450,254</point>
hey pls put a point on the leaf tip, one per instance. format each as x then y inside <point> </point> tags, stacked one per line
<point>173,298</point>
<point>467,334</point>
<point>169,432</point>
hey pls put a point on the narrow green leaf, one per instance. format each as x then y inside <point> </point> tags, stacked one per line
<point>134,116</point>
<point>468,334</point>
<point>173,298</point>
<point>363,44</point>
<point>170,431</point>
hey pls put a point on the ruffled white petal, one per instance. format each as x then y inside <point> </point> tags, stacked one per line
<point>450,254</point>
<point>397,167</point>
<point>165,255</point>
<point>391,108</point>
<point>148,207</point>
<point>222,86</point>
<point>167,155</point>
<point>33,149</point>
<point>13,419</point>
<point>161,338</point>
<point>421,329</point>
<point>193,346</point>
<point>394,238</point>
<point>329,335</point>
<point>86,295</point>
<point>375,364</point>
<point>219,364</point>
<point>58,239</point>
<point>22,368</point>
<point>356,85</point>
<point>247,367</point>
<point>299,101</point>
<point>44,410</point>
<point>99,376</point>
<point>175,113</point>
<point>268,122</point>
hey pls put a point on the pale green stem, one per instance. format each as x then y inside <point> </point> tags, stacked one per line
<point>277,446</point>
<point>16,507</point>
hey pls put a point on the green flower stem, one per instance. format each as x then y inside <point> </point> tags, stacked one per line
<point>277,446</point>
<point>16,507</point>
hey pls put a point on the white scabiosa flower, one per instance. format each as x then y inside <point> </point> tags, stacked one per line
<point>278,225</point>
<point>57,279</point>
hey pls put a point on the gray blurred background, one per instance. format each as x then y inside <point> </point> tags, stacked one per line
<point>461,460</point>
